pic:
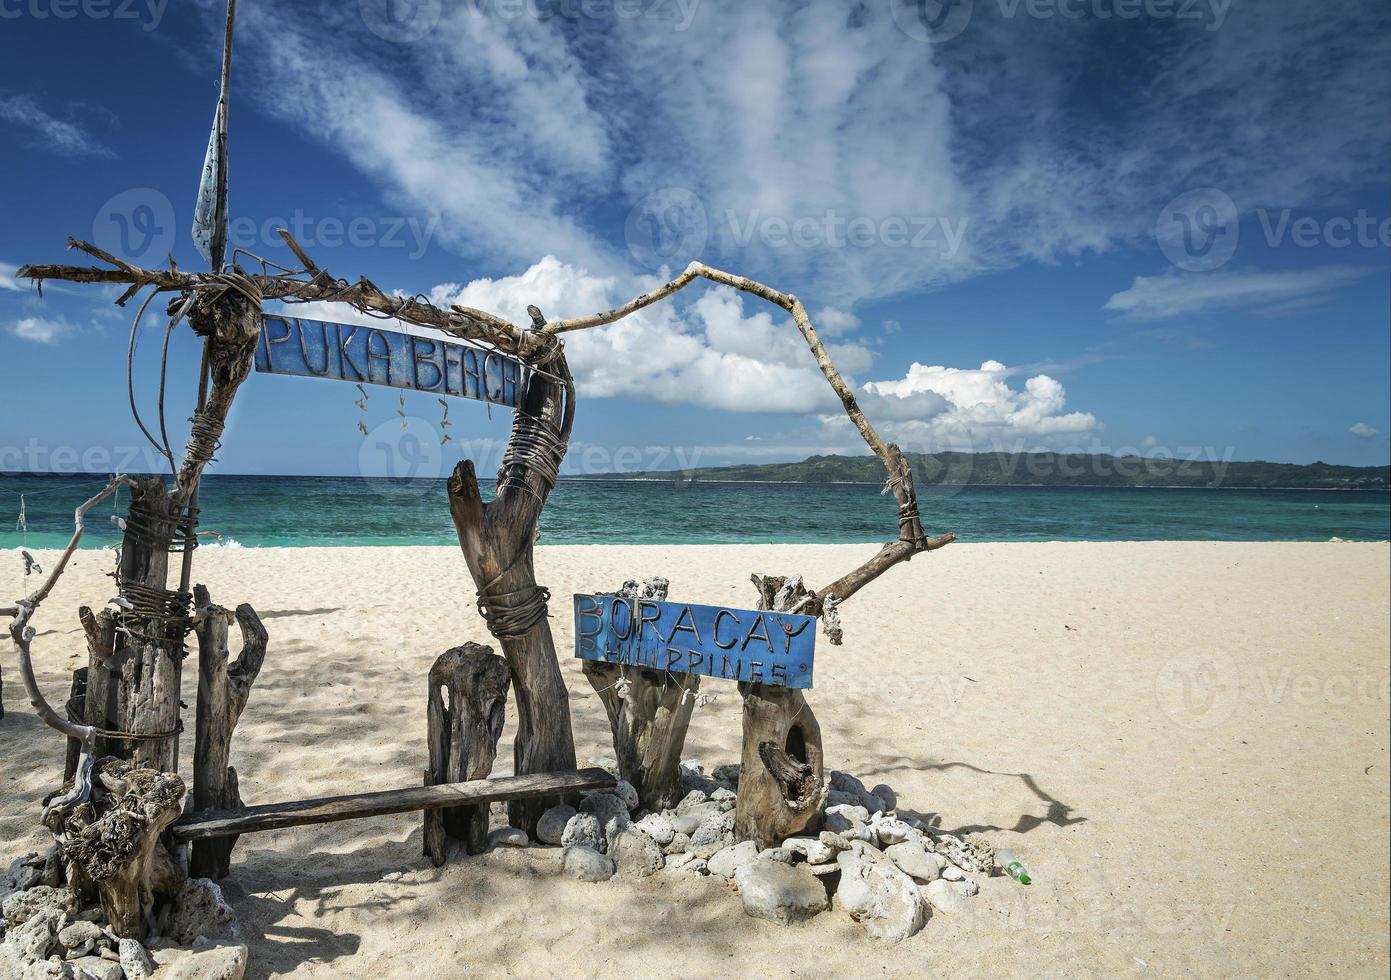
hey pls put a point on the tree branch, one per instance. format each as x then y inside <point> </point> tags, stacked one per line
<point>312,283</point>
<point>912,538</point>
<point>23,634</point>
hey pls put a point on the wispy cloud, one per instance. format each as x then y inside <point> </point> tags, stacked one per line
<point>7,276</point>
<point>775,125</point>
<point>48,131</point>
<point>1187,294</point>
<point>41,330</point>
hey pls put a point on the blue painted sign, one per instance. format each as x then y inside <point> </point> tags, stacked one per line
<point>734,644</point>
<point>371,355</point>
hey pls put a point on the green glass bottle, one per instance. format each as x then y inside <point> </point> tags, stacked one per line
<point>1012,867</point>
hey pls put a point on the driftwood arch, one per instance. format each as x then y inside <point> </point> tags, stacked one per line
<point>780,788</point>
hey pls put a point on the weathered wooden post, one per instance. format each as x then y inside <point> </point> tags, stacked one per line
<point>223,690</point>
<point>133,686</point>
<point>497,540</point>
<point>463,731</point>
<point>780,776</point>
<point>649,715</point>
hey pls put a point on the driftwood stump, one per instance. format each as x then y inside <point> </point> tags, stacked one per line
<point>649,715</point>
<point>463,733</point>
<point>780,780</point>
<point>76,711</point>
<point>223,690</point>
<point>133,681</point>
<point>497,540</point>
<point>110,843</point>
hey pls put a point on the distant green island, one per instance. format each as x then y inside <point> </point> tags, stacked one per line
<point>1042,469</point>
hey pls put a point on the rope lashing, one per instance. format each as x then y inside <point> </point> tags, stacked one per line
<point>504,612</point>
<point>535,445</point>
<point>156,604</point>
<point>507,615</point>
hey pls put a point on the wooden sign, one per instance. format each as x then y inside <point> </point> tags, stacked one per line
<point>734,644</point>
<point>371,355</point>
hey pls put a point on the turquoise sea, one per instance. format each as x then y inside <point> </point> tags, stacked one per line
<point>282,511</point>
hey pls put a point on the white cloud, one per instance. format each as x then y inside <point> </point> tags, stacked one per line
<point>512,126</point>
<point>701,349</point>
<point>831,322</point>
<point>40,330</point>
<point>1186,294</point>
<point>500,181</point>
<point>51,133</point>
<point>7,276</point>
<point>935,407</point>
<point>1362,430</point>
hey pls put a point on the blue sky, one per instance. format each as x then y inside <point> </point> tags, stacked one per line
<point>1092,225</point>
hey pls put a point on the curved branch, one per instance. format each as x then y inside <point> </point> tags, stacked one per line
<point>23,634</point>
<point>309,284</point>
<point>313,283</point>
<point>912,538</point>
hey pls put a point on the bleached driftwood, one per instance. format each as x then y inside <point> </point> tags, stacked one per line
<point>311,283</point>
<point>463,729</point>
<point>23,635</point>
<point>649,712</point>
<point>111,846</point>
<point>223,691</point>
<point>781,771</point>
<point>497,538</point>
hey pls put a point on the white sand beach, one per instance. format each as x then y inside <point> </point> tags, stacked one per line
<point>1186,743</point>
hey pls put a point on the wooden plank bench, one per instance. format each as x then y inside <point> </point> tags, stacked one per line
<point>329,809</point>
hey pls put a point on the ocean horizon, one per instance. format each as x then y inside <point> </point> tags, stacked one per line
<point>317,511</point>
